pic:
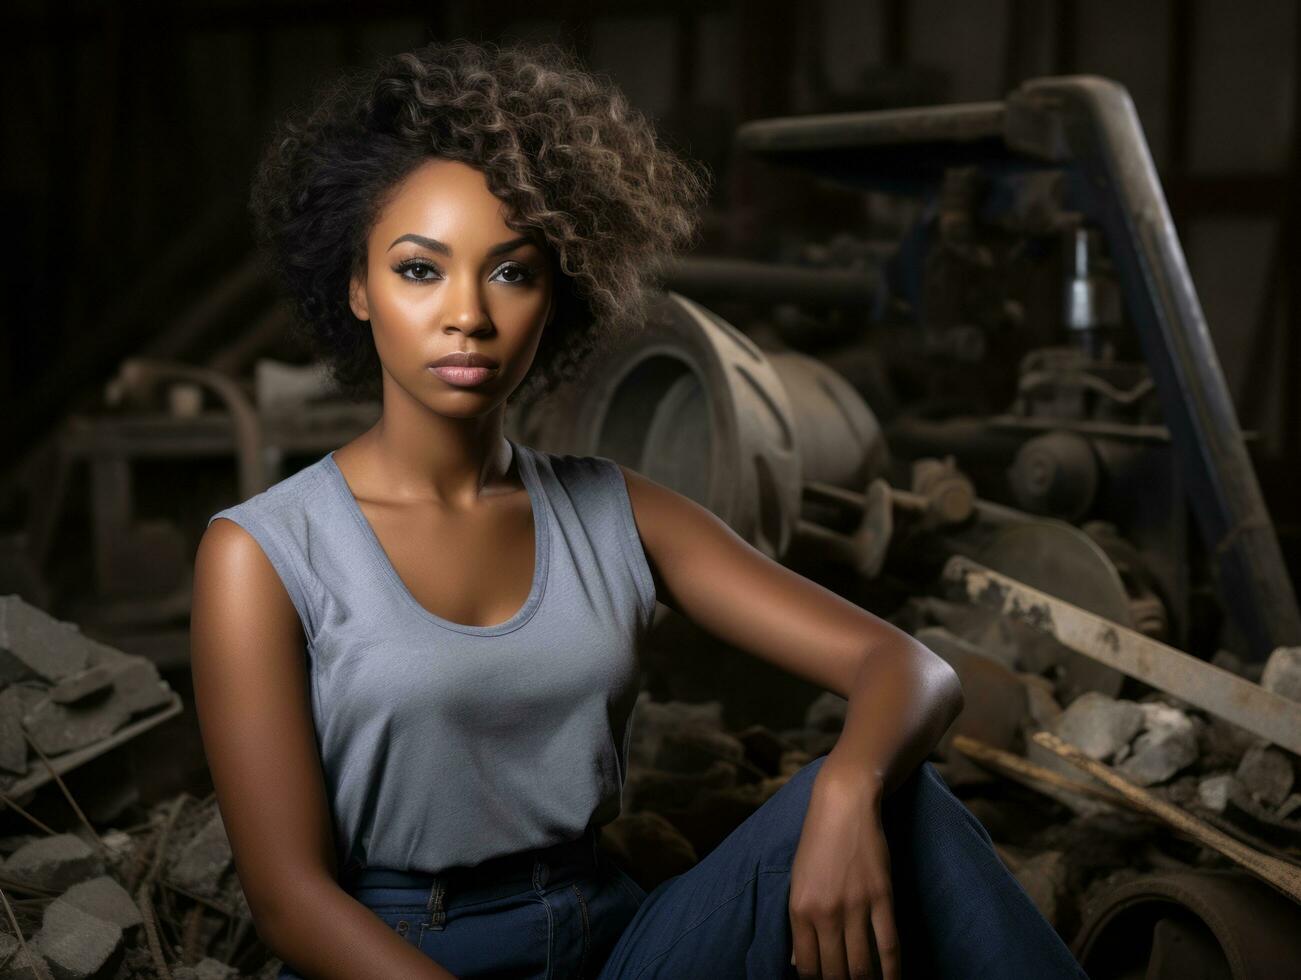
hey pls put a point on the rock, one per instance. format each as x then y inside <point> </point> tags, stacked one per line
<point>1042,705</point>
<point>1282,673</point>
<point>1221,744</point>
<point>201,863</point>
<point>90,681</point>
<point>654,718</point>
<point>652,789</point>
<point>1214,792</point>
<point>138,687</point>
<point>1168,743</point>
<point>58,728</point>
<point>1290,809</point>
<point>827,713</point>
<point>647,846</point>
<point>793,761</point>
<point>763,748</point>
<point>56,862</point>
<point>1266,773</point>
<point>20,964</point>
<point>33,644</point>
<point>77,945</point>
<point>1098,725</point>
<point>696,748</point>
<point>13,746</point>
<point>206,969</point>
<point>105,899</point>
<point>1043,876</point>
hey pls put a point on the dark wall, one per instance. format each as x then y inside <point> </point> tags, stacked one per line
<point>130,130</point>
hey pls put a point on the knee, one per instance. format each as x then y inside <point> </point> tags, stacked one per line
<point>924,805</point>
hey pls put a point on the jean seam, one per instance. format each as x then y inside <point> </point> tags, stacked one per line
<point>587,938</point>
<point>551,933</point>
<point>703,919</point>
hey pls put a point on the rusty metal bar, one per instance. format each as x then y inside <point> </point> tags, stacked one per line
<point>1204,685</point>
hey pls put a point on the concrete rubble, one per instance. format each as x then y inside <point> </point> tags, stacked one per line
<point>107,903</point>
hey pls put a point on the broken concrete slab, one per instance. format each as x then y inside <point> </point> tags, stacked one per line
<point>58,728</point>
<point>1098,725</point>
<point>33,644</point>
<point>78,945</point>
<point>90,681</point>
<point>204,858</point>
<point>137,684</point>
<point>105,899</point>
<point>56,862</point>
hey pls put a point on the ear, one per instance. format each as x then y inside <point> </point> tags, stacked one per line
<point>357,298</point>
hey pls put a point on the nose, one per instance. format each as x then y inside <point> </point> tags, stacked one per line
<point>464,309</point>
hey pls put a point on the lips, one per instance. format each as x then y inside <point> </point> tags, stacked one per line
<point>464,358</point>
<point>465,369</point>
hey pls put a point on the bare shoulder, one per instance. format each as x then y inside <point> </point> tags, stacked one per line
<point>252,698</point>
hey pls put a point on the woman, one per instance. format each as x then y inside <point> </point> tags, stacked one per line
<point>415,660</point>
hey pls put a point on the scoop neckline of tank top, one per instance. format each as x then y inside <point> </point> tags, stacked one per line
<point>541,548</point>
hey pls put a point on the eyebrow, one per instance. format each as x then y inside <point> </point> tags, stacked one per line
<point>434,245</point>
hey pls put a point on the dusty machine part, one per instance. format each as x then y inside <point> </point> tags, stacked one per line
<point>1204,685</point>
<point>138,376</point>
<point>839,438</point>
<point>1055,474</point>
<point>946,498</point>
<point>949,493</point>
<point>1060,558</point>
<point>1204,924</point>
<point>694,404</point>
<point>1085,131</point>
<point>712,278</point>
<point>1093,302</point>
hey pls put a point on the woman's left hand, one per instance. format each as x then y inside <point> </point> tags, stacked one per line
<point>841,903</point>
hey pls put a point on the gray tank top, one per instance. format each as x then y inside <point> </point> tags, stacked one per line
<point>447,744</point>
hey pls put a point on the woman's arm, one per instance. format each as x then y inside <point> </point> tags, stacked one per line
<point>251,694</point>
<point>902,698</point>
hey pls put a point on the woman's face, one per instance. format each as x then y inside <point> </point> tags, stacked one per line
<point>446,274</point>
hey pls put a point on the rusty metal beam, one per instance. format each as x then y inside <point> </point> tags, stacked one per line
<point>1204,685</point>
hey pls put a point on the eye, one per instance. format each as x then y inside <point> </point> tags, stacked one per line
<point>416,270</point>
<point>522,273</point>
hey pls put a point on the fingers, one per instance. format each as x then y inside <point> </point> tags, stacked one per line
<point>887,939</point>
<point>858,945</point>
<point>831,949</point>
<point>806,960</point>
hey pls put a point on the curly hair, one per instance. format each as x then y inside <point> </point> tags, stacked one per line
<point>559,146</point>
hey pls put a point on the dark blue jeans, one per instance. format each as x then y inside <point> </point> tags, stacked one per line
<point>569,912</point>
